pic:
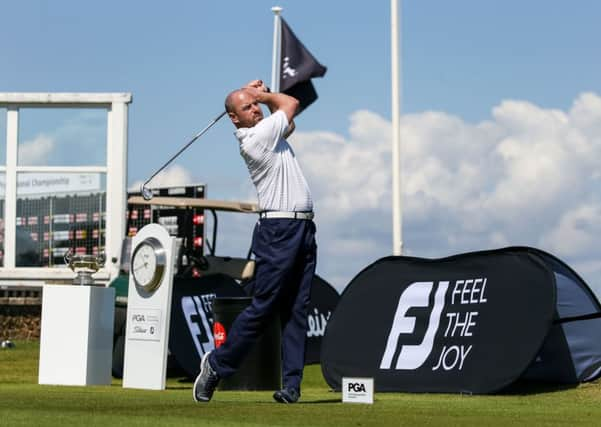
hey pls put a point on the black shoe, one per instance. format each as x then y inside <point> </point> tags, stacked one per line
<point>286,395</point>
<point>206,382</point>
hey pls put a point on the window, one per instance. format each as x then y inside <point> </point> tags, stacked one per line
<point>62,137</point>
<point>62,182</point>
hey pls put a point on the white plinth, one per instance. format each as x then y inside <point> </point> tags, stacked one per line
<point>76,343</point>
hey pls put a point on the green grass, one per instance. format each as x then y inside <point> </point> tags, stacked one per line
<point>24,402</point>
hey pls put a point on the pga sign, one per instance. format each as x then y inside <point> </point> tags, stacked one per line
<point>357,390</point>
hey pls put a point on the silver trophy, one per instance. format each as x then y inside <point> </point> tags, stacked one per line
<point>84,266</point>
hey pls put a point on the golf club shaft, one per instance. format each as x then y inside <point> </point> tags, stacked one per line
<point>198,135</point>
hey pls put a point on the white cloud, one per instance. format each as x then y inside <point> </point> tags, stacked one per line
<point>173,176</point>
<point>337,168</point>
<point>35,151</point>
<point>528,176</point>
<point>576,232</point>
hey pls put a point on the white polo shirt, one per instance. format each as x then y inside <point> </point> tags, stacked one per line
<point>280,183</point>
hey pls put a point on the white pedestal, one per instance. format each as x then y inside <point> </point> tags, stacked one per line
<point>76,344</point>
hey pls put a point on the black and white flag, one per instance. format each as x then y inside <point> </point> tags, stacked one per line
<point>298,66</point>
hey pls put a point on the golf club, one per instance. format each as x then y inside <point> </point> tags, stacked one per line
<point>147,192</point>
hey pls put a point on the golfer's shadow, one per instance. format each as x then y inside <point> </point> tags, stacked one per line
<point>321,401</point>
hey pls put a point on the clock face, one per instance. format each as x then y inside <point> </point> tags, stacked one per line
<point>148,264</point>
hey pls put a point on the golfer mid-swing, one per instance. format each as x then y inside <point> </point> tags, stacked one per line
<point>283,242</point>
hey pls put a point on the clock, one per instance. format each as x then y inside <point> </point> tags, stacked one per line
<point>148,264</point>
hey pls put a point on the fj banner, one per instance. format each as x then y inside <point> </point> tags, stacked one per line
<point>571,352</point>
<point>321,306</point>
<point>193,330</point>
<point>298,66</point>
<point>469,323</point>
<point>191,334</point>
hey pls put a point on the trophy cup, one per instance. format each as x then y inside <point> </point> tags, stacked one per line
<point>84,265</point>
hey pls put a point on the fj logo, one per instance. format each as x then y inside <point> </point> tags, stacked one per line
<point>417,294</point>
<point>197,310</point>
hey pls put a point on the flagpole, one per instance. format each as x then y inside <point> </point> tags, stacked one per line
<point>277,40</point>
<point>397,212</point>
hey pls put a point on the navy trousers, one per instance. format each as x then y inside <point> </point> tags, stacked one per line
<point>285,254</point>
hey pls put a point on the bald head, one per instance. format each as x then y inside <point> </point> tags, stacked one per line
<point>230,100</point>
<point>243,108</point>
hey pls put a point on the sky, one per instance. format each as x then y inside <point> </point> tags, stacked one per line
<point>500,126</point>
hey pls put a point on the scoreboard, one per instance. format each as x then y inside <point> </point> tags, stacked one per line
<point>187,225</point>
<point>49,226</point>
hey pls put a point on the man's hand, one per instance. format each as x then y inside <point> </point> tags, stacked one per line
<point>274,101</point>
<point>257,84</point>
<point>256,88</point>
